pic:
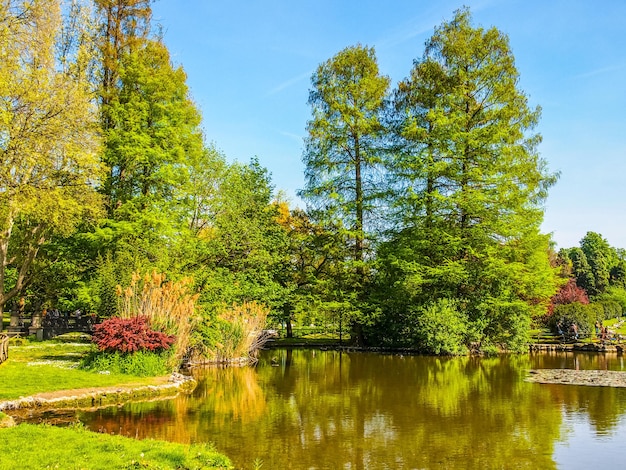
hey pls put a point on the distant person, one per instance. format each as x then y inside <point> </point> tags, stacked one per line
<point>574,330</point>
<point>559,329</point>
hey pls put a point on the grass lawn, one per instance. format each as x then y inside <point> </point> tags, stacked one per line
<point>49,366</point>
<point>611,324</point>
<point>45,447</point>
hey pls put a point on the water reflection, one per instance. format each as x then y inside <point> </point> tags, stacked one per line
<point>331,410</point>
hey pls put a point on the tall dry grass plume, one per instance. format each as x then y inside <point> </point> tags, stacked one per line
<point>240,332</point>
<point>169,306</point>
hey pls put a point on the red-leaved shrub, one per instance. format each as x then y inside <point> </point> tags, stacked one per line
<point>129,335</point>
<point>568,294</point>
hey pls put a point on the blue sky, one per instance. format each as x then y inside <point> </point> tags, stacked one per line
<point>249,65</point>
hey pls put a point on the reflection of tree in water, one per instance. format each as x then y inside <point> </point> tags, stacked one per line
<point>605,406</point>
<point>317,409</point>
<point>139,420</point>
<point>230,392</point>
<point>224,395</point>
<point>371,411</point>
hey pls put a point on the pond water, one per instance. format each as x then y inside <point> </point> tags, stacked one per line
<point>311,409</point>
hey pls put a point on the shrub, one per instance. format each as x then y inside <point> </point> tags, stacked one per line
<point>614,294</point>
<point>140,363</point>
<point>234,334</point>
<point>585,316</point>
<point>441,328</point>
<point>128,335</point>
<point>169,307</point>
<point>610,308</point>
<point>568,294</point>
<point>504,325</point>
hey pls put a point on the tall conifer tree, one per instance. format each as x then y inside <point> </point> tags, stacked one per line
<point>471,183</point>
<point>343,148</point>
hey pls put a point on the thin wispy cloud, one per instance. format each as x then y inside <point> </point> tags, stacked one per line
<point>601,71</point>
<point>404,34</point>
<point>297,137</point>
<point>288,83</point>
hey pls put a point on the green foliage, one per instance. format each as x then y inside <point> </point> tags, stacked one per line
<point>49,140</point>
<point>154,127</point>
<point>440,328</point>
<point>139,363</point>
<point>32,446</point>
<point>614,294</point>
<point>109,275</point>
<point>240,246</point>
<point>468,186</point>
<point>585,316</point>
<point>600,257</point>
<point>343,158</point>
<point>506,325</point>
<point>582,271</point>
<point>233,334</point>
<point>611,308</point>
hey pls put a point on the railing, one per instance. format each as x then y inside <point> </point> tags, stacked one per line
<point>549,337</point>
<point>4,348</point>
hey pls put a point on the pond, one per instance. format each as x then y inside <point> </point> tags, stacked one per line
<point>311,409</point>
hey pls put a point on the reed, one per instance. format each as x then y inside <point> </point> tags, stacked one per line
<point>236,333</point>
<point>169,306</point>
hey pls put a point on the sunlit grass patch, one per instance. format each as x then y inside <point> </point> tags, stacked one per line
<point>30,446</point>
<point>49,366</point>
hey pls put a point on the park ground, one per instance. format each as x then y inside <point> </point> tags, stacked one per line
<point>49,369</point>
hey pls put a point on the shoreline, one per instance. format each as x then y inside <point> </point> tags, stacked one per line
<point>97,397</point>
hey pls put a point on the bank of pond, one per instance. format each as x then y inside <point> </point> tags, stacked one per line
<point>309,408</point>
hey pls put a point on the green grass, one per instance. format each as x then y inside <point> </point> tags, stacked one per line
<point>139,363</point>
<point>50,366</point>
<point>611,324</point>
<point>45,447</point>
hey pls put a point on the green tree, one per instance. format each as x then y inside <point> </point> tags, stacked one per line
<point>48,139</point>
<point>601,258</point>
<point>123,25</point>
<point>312,257</point>
<point>153,139</point>
<point>470,185</point>
<point>237,253</point>
<point>343,149</point>
<point>582,271</point>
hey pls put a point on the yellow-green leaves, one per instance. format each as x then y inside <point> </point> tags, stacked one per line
<point>49,138</point>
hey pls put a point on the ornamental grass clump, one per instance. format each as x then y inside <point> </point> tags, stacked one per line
<point>235,335</point>
<point>168,306</point>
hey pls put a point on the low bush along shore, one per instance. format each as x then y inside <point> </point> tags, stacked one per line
<point>37,368</point>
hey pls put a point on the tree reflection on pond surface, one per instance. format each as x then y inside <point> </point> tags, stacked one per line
<point>328,410</point>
